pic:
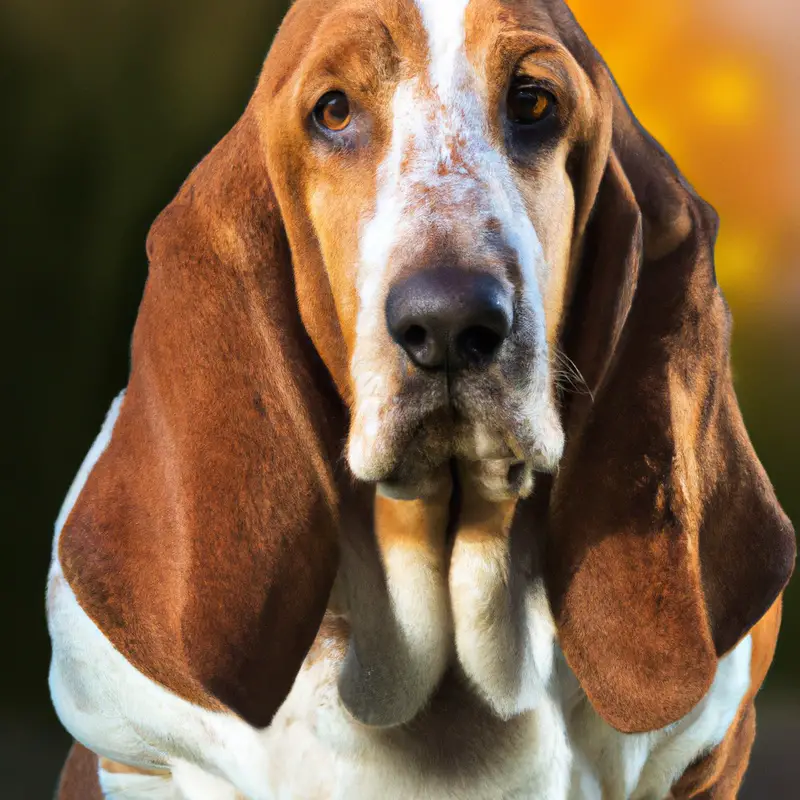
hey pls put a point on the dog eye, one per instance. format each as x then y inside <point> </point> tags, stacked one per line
<point>333,111</point>
<point>528,105</point>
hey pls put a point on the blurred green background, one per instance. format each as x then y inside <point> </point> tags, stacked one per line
<point>108,105</point>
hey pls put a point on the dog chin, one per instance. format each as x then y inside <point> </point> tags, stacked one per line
<point>408,457</point>
<point>416,461</point>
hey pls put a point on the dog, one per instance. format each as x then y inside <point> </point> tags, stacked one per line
<point>345,534</point>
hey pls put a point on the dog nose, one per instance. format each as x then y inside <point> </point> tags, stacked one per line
<point>449,318</point>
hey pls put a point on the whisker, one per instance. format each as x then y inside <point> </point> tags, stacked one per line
<point>567,375</point>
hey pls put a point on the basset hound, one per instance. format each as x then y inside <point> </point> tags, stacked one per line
<point>429,480</point>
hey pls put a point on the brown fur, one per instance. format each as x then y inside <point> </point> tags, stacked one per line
<point>204,544</point>
<point>220,470</point>
<point>79,776</point>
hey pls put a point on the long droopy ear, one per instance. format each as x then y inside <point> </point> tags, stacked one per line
<point>204,541</point>
<point>666,543</point>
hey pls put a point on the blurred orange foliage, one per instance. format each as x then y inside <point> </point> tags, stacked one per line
<point>715,82</point>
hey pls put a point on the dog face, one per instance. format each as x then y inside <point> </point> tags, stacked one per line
<point>424,154</point>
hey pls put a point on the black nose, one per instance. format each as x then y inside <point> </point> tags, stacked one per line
<point>447,317</point>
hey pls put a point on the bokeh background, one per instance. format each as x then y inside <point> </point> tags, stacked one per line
<point>107,105</point>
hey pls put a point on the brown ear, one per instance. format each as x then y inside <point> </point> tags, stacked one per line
<point>204,542</point>
<point>666,543</point>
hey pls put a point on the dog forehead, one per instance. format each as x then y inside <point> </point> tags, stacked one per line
<point>426,34</point>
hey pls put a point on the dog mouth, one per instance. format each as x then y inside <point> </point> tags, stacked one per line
<point>423,438</point>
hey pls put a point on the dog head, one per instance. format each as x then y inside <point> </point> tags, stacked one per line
<point>427,161</point>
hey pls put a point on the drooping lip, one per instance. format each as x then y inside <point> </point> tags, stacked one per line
<point>417,440</point>
<point>456,498</point>
<point>426,455</point>
<point>421,447</point>
<point>474,419</point>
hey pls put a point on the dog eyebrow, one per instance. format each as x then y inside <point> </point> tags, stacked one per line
<point>519,45</point>
<point>345,48</point>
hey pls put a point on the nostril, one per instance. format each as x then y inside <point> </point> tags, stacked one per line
<point>449,319</point>
<point>415,336</point>
<point>478,344</point>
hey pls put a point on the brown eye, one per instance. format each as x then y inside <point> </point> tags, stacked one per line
<point>333,111</point>
<point>528,105</point>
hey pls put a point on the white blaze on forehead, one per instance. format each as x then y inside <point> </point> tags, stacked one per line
<point>416,122</point>
<point>450,72</point>
<point>444,24</point>
<point>380,233</point>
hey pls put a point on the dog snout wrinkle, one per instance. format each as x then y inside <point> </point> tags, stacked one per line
<point>449,318</point>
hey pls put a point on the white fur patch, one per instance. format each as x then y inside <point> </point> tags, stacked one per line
<point>186,782</point>
<point>444,23</point>
<point>351,761</point>
<point>616,766</point>
<point>505,643</point>
<point>123,786</point>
